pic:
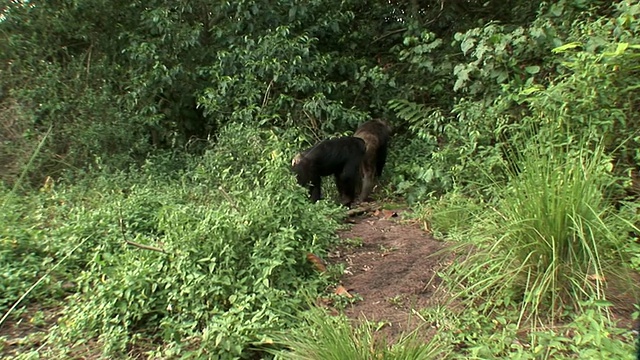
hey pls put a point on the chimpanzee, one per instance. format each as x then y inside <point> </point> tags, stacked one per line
<point>376,135</point>
<point>340,157</point>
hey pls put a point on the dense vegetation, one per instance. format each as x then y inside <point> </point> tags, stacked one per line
<point>146,190</point>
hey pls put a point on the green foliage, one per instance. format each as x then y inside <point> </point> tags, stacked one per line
<point>497,57</point>
<point>414,176</point>
<point>25,251</point>
<point>61,81</point>
<point>205,263</point>
<point>115,82</point>
<point>277,83</point>
<point>16,150</point>
<point>462,83</point>
<point>509,78</point>
<point>452,215</point>
<point>552,238</point>
<point>418,168</point>
<point>580,105</point>
<point>335,338</point>
<point>590,335</point>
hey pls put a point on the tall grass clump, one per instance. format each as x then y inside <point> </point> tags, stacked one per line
<point>553,239</point>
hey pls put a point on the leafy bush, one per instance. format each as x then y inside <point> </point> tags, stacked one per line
<point>508,78</point>
<point>412,170</point>
<point>25,253</point>
<point>279,83</point>
<point>204,264</point>
<point>591,335</point>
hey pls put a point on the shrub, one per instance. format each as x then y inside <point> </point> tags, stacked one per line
<point>203,264</point>
<point>552,240</point>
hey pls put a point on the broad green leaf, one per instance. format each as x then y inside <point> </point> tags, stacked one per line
<point>531,90</point>
<point>467,44</point>
<point>565,47</point>
<point>620,49</point>
<point>532,69</point>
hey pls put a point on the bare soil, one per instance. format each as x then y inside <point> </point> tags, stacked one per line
<point>393,270</point>
<point>395,273</point>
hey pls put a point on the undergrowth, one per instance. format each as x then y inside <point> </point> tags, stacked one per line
<point>590,335</point>
<point>551,240</point>
<point>324,337</point>
<point>202,262</point>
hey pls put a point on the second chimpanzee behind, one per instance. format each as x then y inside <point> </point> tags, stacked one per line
<point>376,135</point>
<point>340,157</point>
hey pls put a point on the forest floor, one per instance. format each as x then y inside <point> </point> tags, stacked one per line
<point>392,269</point>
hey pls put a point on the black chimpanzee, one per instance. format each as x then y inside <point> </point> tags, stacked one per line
<point>340,157</point>
<point>376,135</point>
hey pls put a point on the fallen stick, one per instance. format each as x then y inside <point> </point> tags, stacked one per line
<point>361,210</point>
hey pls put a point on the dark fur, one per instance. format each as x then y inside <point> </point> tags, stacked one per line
<point>340,157</point>
<point>376,135</point>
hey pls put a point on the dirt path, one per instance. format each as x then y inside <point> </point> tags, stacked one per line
<point>394,270</point>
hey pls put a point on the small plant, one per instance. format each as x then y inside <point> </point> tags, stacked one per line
<point>341,302</point>
<point>354,242</point>
<point>387,250</point>
<point>38,318</point>
<point>397,301</point>
<point>588,336</point>
<point>327,337</point>
<point>452,214</point>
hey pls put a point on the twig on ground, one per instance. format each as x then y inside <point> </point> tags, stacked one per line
<point>145,247</point>
<point>362,209</point>
<point>138,245</point>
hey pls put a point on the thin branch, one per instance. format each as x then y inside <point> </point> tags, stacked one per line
<point>138,245</point>
<point>389,34</point>
<point>89,63</point>
<point>35,153</point>
<point>266,94</point>
<point>314,124</point>
<point>145,247</point>
<point>228,198</point>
